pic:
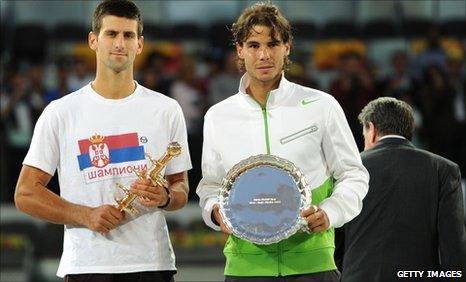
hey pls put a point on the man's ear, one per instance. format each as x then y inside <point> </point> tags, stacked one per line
<point>92,40</point>
<point>373,133</point>
<point>370,135</point>
<point>288,48</point>
<point>239,50</point>
<point>140,44</point>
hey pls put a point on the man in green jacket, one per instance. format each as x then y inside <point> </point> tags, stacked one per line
<point>261,119</point>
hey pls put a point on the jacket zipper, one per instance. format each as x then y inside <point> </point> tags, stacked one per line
<point>267,144</point>
<point>266,122</point>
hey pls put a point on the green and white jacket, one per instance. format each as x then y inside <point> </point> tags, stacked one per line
<point>307,127</point>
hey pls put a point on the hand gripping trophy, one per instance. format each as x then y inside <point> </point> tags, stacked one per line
<point>126,202</point>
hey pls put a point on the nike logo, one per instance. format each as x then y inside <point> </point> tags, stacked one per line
<point>305,102</point>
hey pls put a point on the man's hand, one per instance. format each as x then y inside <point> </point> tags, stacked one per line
<point>149,195</point>
<point>317,219</point>
<point>103,219</point>
<point>219,219</point>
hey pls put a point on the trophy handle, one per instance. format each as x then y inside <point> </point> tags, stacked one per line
<point>140,175</point>
<point>173,150</point>
<point>126,190</point>
<point>159,181</point>
<point>125,203</point>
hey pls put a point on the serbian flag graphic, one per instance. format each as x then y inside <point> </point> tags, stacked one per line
<point>103,157</point>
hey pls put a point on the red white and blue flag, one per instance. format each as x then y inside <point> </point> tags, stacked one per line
<point>104,157</point>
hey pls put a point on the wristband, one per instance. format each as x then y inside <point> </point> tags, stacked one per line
<point>168,199</point>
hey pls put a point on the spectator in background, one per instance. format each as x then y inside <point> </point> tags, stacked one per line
<point>186,90</point>
<point>457,81</point>
<point>19,112</point>
<point>215,62</point>
<point>437,108</point>
<point>223,84</point>
<point>3,150</point>
<point>150,78</point>
<point>353,88</point>
<point>432,55</point>
<point>399,83</point>
<point>457,85</point>
<point>37,88</point>
<point>80,76</point>
<point>155,75</point>
<point>374,71</point>
<point>297,73</point>
<point>212,65</point>
<point>62,87</point>
<point>435,99</point>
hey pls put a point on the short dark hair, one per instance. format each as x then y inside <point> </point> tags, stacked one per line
<point>389,116</point>
<point>119,8</point>
<point>266,14</point>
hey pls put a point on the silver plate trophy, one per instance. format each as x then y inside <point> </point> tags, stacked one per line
<point>261,198</point>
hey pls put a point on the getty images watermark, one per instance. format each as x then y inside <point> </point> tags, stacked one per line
<point>429,274</point>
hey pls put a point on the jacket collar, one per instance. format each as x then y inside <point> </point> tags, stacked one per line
<point>393,141</point>
<point>276,96</point>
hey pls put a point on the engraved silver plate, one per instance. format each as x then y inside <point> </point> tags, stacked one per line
<point>261,199</point>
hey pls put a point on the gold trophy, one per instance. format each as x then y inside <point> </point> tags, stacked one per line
<point>155,176</point>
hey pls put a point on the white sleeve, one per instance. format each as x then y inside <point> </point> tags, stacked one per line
<point>209,186</point>
<point>178,134</point>
<point>44,151</point>
<point>345,165</point>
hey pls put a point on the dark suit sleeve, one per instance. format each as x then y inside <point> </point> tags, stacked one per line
<point>451,227</point>
<point>339,247</point>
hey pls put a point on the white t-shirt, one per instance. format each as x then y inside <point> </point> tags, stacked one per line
<point>95,143</point>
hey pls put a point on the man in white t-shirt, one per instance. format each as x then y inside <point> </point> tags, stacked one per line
<point>95,138</point>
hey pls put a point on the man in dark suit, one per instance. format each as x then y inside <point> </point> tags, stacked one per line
<point>412,216</point>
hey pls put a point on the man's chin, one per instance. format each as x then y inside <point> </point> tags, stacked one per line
<point>117,68</point>
<point>268,77</point>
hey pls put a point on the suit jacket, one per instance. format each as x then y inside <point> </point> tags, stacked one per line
<point>412,216</point>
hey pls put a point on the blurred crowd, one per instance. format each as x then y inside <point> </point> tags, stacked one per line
<point>432,81</point>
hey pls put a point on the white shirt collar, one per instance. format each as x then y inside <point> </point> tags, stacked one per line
<point>276,96</point>
<point>391,136</point>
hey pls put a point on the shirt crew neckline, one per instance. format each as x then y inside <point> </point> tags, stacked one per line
<point>96,96</point>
